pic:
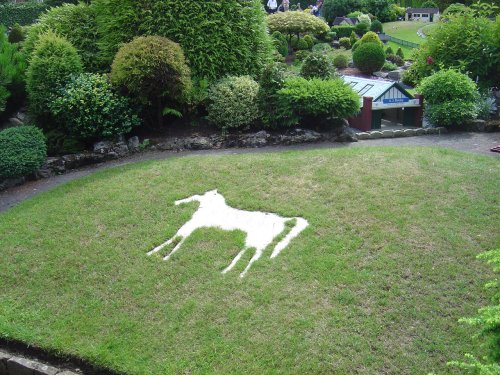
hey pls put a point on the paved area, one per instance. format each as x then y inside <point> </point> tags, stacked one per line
<point>478,143</point>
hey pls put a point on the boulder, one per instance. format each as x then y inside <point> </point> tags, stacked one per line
<point>347,134</point>
<point>13,121</point>
<point>255,140</point>
<point>387,134</point>
<point>173,144</point>
<point>420,131</point>
<point>395,75</point>
<point>363,136</point>
<point>121,149</point>
<point>375,134</point>
<point>409,132</point>
<point>381,74</point>
<point>198,143</point>
<point>133,144</point>
<point>11,182</point>
<point>103,147</point>
<point>398,133</point>
<point>298,135</point>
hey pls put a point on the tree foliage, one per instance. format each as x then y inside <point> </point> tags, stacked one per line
<point>296,23</point>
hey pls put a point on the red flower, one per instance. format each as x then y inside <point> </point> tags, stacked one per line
<point>430,60</point>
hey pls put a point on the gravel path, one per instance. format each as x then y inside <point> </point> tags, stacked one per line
<point>479,143</point>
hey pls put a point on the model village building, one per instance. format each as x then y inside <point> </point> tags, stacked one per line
<point>422,14</point>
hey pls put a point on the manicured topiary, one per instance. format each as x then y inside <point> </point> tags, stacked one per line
<point>281,46</point>
<point>302,45</point>
<point>389,51</point>
<point>22,151</point>
<point>356,45</point>
<point>310,40</point>
<point>271,81</point>
<point>322,47</point>
<point>53,61</point>
<point>233,102</point>
<point>218,37</point>
<point>294,23</point>
<point>369,57</point>
<point>395,60</point>
<point>340,61</point>
<point>371,37</point>
<point>400,53</point>
<point>16,35</point>
<point>317,65</point>
<point>152,69</point>
<point>345,43</point>
<point>353,39</point>
<point>377,26</point>
<point>76,23</point>
<point>89,108</point>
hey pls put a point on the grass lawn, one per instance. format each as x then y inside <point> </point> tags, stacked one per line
<point>406,50</point>
<point>374,285</point>
<point>406,30</point>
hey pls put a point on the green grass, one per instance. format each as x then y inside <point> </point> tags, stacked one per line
<point>375,285</point>
<point>406,30</point>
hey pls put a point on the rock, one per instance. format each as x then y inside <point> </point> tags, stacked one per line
<point>15,122</point>
<point>22,116</point>
<point>348,134</point>
<point>67,372</point>
<point>409,132</point>
<point>441,130</point>
<point>51,167</point>
<point>375,134</point>
<point>174,144</point>
<point>20,366</point>
<point>475,126</point>
<point>420,131</point>
<point>387,133</point>
<point>103,147</point>
<point>198,143</point>
<point>381,74</point>
<point>4,357</point>
<point>121,149</point>
<point>398,133</point>
<point>431,130</point>
<point>41,369</point>
<point>11,182</point>
<point>133,144</point>
<point>259,139</point>
<point>75,161</point>
<point>298,135</point>
<point>395,75</point>
<point>363,136</point>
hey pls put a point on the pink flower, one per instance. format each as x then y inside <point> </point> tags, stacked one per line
<point>430,60</point>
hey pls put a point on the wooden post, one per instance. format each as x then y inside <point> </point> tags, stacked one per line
<point>419,111</point>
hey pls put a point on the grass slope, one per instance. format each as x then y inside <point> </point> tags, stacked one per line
<point>375,284</point>
<point>406,30</point>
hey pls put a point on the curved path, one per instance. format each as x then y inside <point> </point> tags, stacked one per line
<point>479,143</point>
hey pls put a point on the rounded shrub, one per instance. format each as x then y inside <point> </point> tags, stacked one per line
<point>309,40</point>
<point>293,23</point>
<point>22,151</point>
<point>369,57</point>
<point>345,43</point>
<point>340,61</point>
<point>233,102</point>
<point>395,60</point>
<point>16,35</point>
<point>322,47</point>
<point>371,37</point>
<point>317,65</point>
<point>302,55</point>
<point>90,109</point>
<point>152,68</point>
<point>218,37</point>
<point>377,26</point>
<point>356,45</point>
<point>53,61</point>
<point>353,39</point>
<point>400,53</point>
<point>451,113</point>
<point>389,51</point>
<point>302,45</point>
<point>271,81</point>
<point>447,85</point>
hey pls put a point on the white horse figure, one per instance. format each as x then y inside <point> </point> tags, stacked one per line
<point>261,228</point>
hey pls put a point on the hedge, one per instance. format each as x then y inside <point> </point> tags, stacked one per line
<point>22,13</point>
<point>343,31</point>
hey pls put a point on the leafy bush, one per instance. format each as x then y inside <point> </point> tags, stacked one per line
<point>343,31</point>
<point>317,65</point>
<point>302,55</point>
<point>153,70</point>
<point>388,66</point>
<point>365,18</point>
<point>233,102</point>
<point>340,61</point>
<point>361,28</point>
<point>90,109</point>
<point>395,60</point>
<point>400,53</point>
<point>76,23</point>
<point>371,37</point>
<point>295,23</point>
<point>488,323</point>
<point>369,57</point>
<point>22,151</point>
<point>316,98</point>
<point>16,35</point>
<point>271,81</point>
<point>21,13</point>
<point>356,45</point>
<point>429,4</point>
<point>328,36</point>
<point>309,40</point>
<point>339,8</point>
<point>218,37</point>
<point>353,39</point>
<point>302,45</point>
<point>377,26</point>
<point>345,43</point>
<point>322,47</point>
<point>450,98</point>
<point>280,42</point>
<point>389,51</point>
<point>53,61</point>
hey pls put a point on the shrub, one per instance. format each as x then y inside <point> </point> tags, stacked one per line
<point>365,18</point>
<point>400,53</point>
<point>353,39</point>
<point>388,66</point>
<point>218,37</point>
<point>450,98</point>
<point>90,109</point>
<point>295,23</point>
<point>447,85</point>
<point>76,23</point>
<point>377,26</point>
<point>153,69</point>
<point>389,51</point>
<point>280,43</point>
<point>487,321</point>
<point>356,45</point>
<point>53,61</point>
<point>22,13</point>
<point>429,4</point>
<point>328,36</point>
<point>233,102</point>
<point>16,35</point>
<point>302,45</point>
<point>302,55</point>
<point>395,60</point>
<point>316,98</point>
<point>322,47</point>
<point>317,65</point>
<point>338,8</point>
<point>340,61</point>
<point>271,81</point>
<point>369,57</point>
<point>371,37</point>
<point>345,43</point>
<point>22,151</point>
<point>343,31</point>
<point>361,28</point>
<point>309,40</point>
